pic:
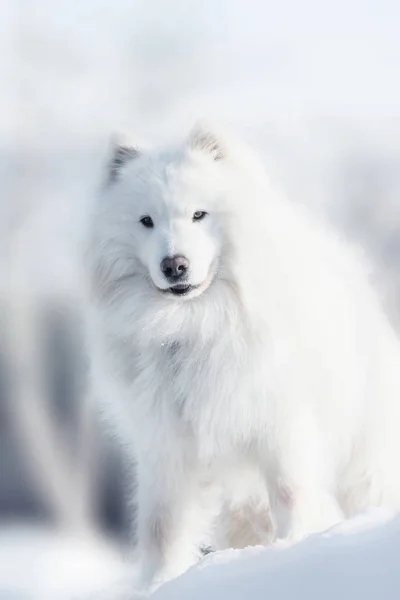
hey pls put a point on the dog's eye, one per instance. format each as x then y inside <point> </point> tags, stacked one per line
<point>199,215</point>
<point>147,222</point>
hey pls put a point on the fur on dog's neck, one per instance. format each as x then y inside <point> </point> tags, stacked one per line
<point>152,320</point>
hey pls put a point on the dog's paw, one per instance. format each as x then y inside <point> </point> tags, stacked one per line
<point>282,543</point>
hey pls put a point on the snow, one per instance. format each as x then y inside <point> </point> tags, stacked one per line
<point>40,564</point>
<point>358,559</point>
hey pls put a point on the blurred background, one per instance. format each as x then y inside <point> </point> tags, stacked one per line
<point>314,86</point>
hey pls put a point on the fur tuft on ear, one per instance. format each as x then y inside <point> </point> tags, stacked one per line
<point>203,138</point>
<point>122,152</point>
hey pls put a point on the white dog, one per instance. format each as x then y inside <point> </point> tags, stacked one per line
<point>237,344</point>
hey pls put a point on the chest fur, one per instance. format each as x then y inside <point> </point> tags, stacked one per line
<point>219,391</point>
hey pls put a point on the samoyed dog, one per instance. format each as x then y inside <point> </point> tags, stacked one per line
<point>239,350</point>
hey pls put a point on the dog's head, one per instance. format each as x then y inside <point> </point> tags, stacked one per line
<point>163,212</point>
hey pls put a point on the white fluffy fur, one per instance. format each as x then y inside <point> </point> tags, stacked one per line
<point>270,397</point>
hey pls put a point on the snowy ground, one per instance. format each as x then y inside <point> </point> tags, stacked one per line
<point>358,559</point>
<point>38,564</point>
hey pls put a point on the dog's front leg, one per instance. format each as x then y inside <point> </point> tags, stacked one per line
<point>302,485</point>
<point>171,517</point>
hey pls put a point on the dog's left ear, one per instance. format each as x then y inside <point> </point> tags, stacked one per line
<point>122,152</point>
<point>205,139</point>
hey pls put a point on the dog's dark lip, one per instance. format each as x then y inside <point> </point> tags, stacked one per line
<point>180,289</point>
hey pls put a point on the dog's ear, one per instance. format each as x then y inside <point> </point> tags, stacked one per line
<point>121,153</point>
<point>204,138</point>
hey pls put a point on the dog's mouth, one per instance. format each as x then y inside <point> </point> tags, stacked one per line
<point>184,290</point>
<point>181,289</point>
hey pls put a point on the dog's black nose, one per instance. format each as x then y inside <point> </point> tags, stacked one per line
<point>174,268</point>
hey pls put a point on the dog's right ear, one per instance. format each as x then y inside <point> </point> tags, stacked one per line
<point>204,138</point>
<point>121,153</point>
